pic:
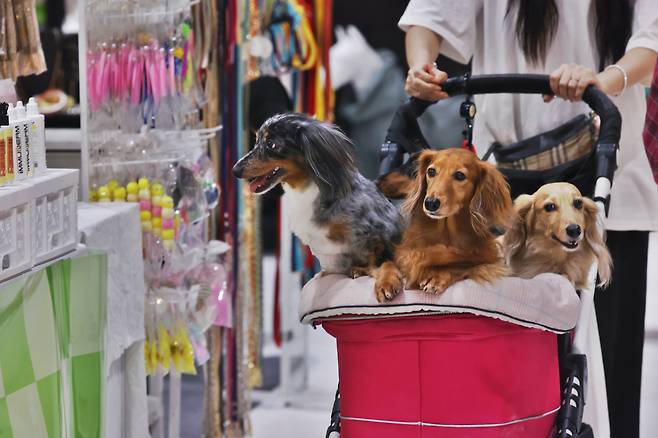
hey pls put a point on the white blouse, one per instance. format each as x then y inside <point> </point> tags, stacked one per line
<point>479,29</point>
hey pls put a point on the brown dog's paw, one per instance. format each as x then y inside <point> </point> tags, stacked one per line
<point>437,281</point>
<point>360,271</point>
<point>388,282</point>
<point>387,290</point>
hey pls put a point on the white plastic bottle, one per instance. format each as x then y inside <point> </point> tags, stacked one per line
<point>37,133</point>
<point>20,167</point>
<point>25,132</point>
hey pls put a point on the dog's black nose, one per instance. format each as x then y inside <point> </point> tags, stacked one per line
<point>432,204</point>
<point>238,169</point>
<point>573,230</point>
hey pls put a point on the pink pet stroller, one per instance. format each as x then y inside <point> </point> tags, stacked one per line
<point>478,361</point>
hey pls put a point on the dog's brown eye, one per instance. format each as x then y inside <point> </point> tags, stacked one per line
<point>550,207</point>
<point>431,172</point>
<point>459,176</point>
<point>578,203</point>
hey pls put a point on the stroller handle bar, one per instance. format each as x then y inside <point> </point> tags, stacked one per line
<point>405,132</point>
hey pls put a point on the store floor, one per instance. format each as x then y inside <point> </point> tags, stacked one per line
<point>305,414</point>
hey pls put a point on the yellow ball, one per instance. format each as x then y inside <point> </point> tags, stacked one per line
<point>103,194</point>
<point>156,201</point>
<point>167,234</point>
<point>144,194</point>
<point>157,222</point>
<point>119,194</point>
<point>146,226</point>
<point>132,188</point>
<point>157,189</point>
<point>145,216</point>
<point>167,202</point>
<point>143,183</point>
<point>93,196</point>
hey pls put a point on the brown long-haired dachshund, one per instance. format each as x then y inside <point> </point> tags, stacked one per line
<point>455,202</point>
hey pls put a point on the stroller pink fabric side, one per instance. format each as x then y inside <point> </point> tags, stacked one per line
<point>445,376</point>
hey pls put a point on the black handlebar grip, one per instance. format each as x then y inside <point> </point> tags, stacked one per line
<point>494,84</point>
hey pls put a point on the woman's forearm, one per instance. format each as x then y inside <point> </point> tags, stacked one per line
<point>422,46</point>
<point>638,63</point>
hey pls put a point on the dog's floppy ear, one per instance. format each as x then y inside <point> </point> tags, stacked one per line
<point>399,183</point>
<point>491,205</point>
<point>594,236</point>
<point>330,155</point>
<point>395,185</point>
<point>517,234</point>
<point>416,196</point>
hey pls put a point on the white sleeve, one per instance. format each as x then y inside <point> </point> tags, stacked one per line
<point>453,20</point>
<point>645,26</point>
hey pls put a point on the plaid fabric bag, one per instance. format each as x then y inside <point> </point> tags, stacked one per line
<point>565,153</point>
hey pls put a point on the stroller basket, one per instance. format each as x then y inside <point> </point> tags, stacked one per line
<point>547,392</point>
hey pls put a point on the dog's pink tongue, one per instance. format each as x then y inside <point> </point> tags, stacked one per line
<point>255,184</point>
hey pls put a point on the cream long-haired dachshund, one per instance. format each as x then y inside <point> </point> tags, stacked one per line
<point>556,231</point>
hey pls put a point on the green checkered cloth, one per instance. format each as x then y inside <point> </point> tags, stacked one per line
<point>51,351</point>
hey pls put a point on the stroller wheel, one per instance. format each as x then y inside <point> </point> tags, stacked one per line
<point>334,428</point>
<point>586,431</point>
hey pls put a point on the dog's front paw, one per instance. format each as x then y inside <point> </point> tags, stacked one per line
<point>360,271</point>
<point>388,283</point>
<point>436,281</point>
<point>387,290</point>
<point>432,286</point>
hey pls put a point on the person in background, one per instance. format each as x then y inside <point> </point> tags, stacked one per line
<point>651,126</point>
<point>377,85</point>
<point>611,44</point>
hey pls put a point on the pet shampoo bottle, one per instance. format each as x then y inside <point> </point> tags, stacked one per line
<point>24,127</point>
<point>17,145</point>
<point>37,136</point>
